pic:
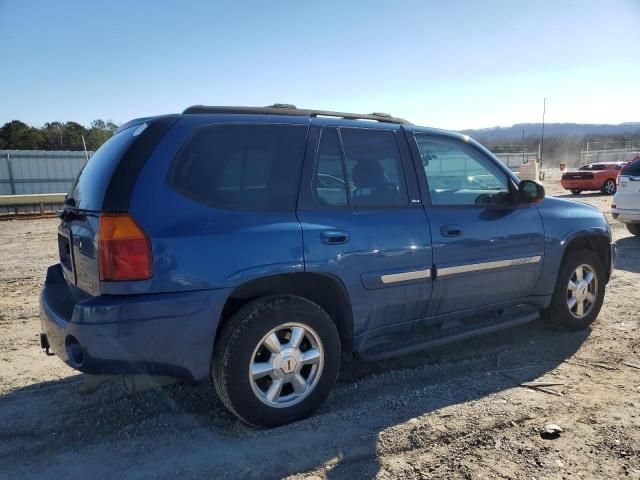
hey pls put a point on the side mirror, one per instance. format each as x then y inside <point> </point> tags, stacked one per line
<point>530,191</point>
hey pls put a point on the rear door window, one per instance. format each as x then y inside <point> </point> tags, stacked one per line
<point>241,167</point>
<point>374,168</point>
<point>329,183</point>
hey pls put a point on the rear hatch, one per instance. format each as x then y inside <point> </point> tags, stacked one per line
<point>628,194</point>
<point>103,186</point>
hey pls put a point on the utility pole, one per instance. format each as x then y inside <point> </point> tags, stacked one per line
<point>86,155</point>
<point>544,110</point>
<point>523,145</point>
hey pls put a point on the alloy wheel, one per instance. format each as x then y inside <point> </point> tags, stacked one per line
<point>610,187</point>
<point>286,365</point>
<point>582,291</point>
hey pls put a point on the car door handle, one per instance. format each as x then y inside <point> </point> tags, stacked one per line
<point>334,237</point>
<point>451,230</point>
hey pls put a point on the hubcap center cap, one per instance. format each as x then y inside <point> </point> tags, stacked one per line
<point>287,362</point>
<point>581,290</point>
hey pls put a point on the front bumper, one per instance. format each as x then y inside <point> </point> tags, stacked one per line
<point>158,334</point>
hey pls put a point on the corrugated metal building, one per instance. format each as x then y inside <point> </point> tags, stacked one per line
<point>38,171</point>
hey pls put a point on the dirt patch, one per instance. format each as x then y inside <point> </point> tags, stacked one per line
<point>456,412</point>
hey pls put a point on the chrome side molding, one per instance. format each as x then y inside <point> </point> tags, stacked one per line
<point>475,267</point>
<point>404,276</point>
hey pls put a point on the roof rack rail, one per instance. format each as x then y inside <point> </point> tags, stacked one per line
<point>292,110</point>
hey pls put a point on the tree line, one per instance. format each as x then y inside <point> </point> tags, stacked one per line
<point>17,135</point>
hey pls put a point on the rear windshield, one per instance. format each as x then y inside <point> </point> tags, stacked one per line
<point>241,167</point>
<point>594,167</point>
<point>632,168</point>
<point>90,186</point>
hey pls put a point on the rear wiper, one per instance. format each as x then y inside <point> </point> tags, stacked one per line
<point>69,214</point>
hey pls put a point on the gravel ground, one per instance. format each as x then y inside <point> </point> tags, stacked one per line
<point>456,412</point>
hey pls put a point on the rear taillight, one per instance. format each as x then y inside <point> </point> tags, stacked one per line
<point>124,249</point>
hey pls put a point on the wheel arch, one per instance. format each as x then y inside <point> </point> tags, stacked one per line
<point>323,289</point>
<point>597,241</point>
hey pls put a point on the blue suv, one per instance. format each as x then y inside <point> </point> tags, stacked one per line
<point>258,247</point>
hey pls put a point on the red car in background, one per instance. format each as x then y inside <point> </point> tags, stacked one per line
<point>594,176</point>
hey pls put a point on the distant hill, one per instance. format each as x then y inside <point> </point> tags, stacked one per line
<point>500,135</point>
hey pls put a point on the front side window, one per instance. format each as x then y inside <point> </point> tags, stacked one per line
<point>459,175</point>
<point>374,168</point>
<point>241,167</point>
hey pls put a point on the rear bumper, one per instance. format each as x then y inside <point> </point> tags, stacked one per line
<point>579,185</point>
<point>626,215</point>
<point>157,334</point>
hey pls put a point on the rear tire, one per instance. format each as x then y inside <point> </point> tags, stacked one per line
<point>576,191</point>
<point>276,360</point>
<point>564,312</point>
<point>634,228</point>
<point>609,187</point>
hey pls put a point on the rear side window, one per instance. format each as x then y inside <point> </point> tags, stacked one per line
<point>241,167</point>
<point>632,169</point>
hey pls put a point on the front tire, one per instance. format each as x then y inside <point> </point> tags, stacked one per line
<point>579,293</point>
<point>576,191</point>
<point>634,228</point>
<point>276,360</point>
<point>609,187</point>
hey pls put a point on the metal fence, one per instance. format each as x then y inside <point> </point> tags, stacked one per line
<point>36,171</point>
<point>514,160</point>
<point>603,154</point>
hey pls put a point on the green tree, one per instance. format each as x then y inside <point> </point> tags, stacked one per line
<point>17,135</point>
<point>53,133</point>
<point>33,139</point>
<point>99,133</point>
<point>72,136</point>
<point>12,133</point>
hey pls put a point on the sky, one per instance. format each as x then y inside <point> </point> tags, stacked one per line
<point>448,64</point>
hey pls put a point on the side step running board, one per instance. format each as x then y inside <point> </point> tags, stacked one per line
<point>435,336</point>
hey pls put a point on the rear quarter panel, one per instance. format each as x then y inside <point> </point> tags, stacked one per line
<point>604,175</point>
<point>198,247</point>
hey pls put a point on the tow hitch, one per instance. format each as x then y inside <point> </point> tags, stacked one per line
<point>44,344</point>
